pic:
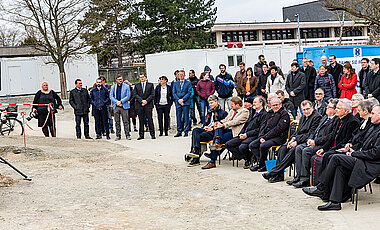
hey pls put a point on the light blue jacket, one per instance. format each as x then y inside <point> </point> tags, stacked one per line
<point>184,93</point>
<point>125,95</point>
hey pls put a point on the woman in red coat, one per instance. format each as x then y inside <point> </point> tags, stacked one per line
<point>348,81</point>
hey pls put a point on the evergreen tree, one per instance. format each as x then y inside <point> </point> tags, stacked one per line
<point>168,25</point>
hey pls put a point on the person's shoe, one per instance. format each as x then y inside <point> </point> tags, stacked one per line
<point>276,179</point>
<point>89,138</point>
<point>209,165</point>
<point>254,168</point>
<point>135,129</point>
<point>166,133</point>
<point>266,175</point>
<point>98,137</point>
<point>215,146</point>
<point>111,131</point>
<point>78,138</point>
<point>301,184</point>
<point>262,169</point>
<point>178,135</point>
<point>153,137</point>
<point>140,138</point>
<point>117,138</point>
<point>187,158</point>
<point>128,137</point>
<point>313,191</point>
<point>330,206</point>
<point>161,134</point>
<point>247,165</point>
<point>108,137</point>
<point>146,129</point>
<point>292,182</point>
<point>194,162</point>
<point>194,153</point>
<point>186,135</point>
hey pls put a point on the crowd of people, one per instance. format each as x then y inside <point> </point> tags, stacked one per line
<point>313,118</point>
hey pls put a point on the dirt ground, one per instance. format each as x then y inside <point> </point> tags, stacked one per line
<point>100,184</point>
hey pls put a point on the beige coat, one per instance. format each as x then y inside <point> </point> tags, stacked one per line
<point>279,83</point>
<point>236,122</point>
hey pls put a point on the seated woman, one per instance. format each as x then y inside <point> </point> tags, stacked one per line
<point>206,133</point>
<point>227,128</point>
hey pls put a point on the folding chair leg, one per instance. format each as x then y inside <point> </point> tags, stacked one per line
<point>370,187</point>
<point>237,163</point>
<point>353,196</point>
<point>220,153</point>
<point>356,202</point>
<point>365,188</point>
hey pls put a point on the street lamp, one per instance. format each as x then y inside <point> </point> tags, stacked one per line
<point>299,32</point>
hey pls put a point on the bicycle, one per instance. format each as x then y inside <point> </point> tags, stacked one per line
<point>9,124</point>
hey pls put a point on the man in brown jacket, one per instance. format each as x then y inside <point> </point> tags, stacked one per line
<point>227,128</point>
<point>237,79</point>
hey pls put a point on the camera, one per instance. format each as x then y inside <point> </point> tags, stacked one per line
<point>32,114</point>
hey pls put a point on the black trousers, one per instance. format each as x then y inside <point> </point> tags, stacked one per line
<point>240,148</point>
<point>101,121</point>
<point>142,113</point>
<point>303,157</point>
<point>335,179</point>
<point>285,157</point>
<point>163,114</point>
<point>260,150</point>
<point>200,135</point>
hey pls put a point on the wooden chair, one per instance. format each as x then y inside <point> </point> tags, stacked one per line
<point>204,147</point>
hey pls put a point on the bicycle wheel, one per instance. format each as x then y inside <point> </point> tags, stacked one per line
<point>11,126</point>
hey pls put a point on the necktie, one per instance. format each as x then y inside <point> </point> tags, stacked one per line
<point>181,84</point>
<point>248,85</point>
<point>319,128</point>
<point>143,86</point>
<point>341,122</point>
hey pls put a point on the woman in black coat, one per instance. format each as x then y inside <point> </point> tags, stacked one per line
<point>163,100</point>
<point>46,116</point>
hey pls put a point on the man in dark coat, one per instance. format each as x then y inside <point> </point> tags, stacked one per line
<point>273,132</point>
<point>286,103</point>
<point>295,86</point>
<point>144,99</point>
<point>80,101</point>
<point>100,99</point>
<point>194,81</point>
<point>363,74</point>
<point>354,169</point>
<point>238,146</point>
<point>310,75</point>
<point>286,154</point>
<point>336,70</point>
<point>319,103</point>
<point>373,80</point>
<point>258,67</point>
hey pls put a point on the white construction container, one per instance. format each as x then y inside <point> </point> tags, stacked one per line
<point>24,75</point>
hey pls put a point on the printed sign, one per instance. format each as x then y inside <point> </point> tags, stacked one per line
<point>357,52</point>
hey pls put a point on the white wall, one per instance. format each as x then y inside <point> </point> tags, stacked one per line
<point>166,63</point>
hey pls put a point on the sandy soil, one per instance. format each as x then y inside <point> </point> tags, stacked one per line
<point>89,184</point>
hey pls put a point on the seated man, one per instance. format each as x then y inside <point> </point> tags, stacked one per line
<point>238,146</point>
<point>273,132</point>
<point>305,151</point>
<point>206,133</point>
<point>346,128</point>
<point>286,103</point>
<point>354,169</point>
<point>307,125</point>
<point>319,104</point>
<point>227,128</point>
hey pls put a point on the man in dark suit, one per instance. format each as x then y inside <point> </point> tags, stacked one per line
<point>295,86</point>
<point>372,82</point>
<point>310,75</point>
<point>238,146</point>
<point>182,98</point>
<point>336,70</point>
<point>144,97</point>
<point>354,169</point>
<point>286,154</point>
<point>363,74</point>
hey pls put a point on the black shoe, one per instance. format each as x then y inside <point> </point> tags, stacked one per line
<point>301,184</point>
<point>194,162</point>
<point>111,131</point>
<point>262,169</point>
<point>291,182</point>
<point>313,191</point>
<point>254,168</point>
<point>178,135</point>
<point>153,137</point>
<point>98,137</point>
<point>330,206</point>
<point>276,179</point>
<point>266,176</point>
<point>194,153</point>
<point>88,138</point>
<point>187,158</point>
<point>161,134</point>
<point>108,137</point>
<point>186,135</point>
<point>166,133</point>
<point>247,165</point>
<point>140,138</point>
<point>78,138</point>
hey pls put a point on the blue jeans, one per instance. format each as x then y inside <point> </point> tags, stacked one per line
<point>223,139</point>
<point>204,107</point>
<point>182,113</point>
<point>78,119</point>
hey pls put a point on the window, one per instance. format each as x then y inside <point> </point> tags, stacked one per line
<point>315,33</point>
<point>234,60</point>
<point>212,39</point>
<point>239,36</point>
<point>239,58</point>
<point>350,31</point>
<point>278,34</point>
<point>231,61</point>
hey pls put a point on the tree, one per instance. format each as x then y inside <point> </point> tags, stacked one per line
<point>108,28</point>
<point>167,25</point>
<point>367,10</point>
<point>53,24</point>
<point>10,37</point>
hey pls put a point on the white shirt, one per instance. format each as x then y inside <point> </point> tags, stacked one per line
<point>164,94</point>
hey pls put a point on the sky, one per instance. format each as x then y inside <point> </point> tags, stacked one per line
<point>252,10</point>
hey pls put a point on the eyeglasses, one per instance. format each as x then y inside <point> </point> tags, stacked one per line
<point>318,93</point>
<point>330,107</point>
<point>275,105</point>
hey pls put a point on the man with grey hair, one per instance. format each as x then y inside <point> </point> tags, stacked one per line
<point>346,128</point>
<point>324,60</point>
<point>270,97</point>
